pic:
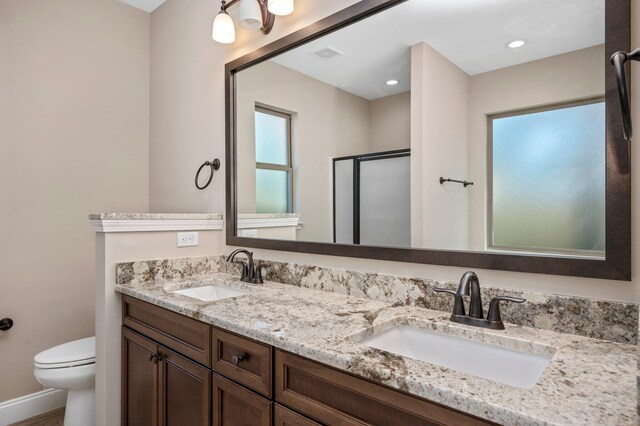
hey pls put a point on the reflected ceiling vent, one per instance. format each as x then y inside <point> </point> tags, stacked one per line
<point>327,53</point>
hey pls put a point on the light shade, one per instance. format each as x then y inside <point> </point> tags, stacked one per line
<point>223,29</point>
<point>250,15</point>
<point>281,7</point>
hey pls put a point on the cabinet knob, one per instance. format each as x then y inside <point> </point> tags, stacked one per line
<point>155,358</point>
<point>6,324</point>
<point>236,359</point>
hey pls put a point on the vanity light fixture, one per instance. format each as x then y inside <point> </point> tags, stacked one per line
<point>281,7</point>
<point>254,15</point>
<point>515,44</point>
<point>392,82</point>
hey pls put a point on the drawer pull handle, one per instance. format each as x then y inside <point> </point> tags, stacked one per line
<point>236,359</point>
<point>154,358</point>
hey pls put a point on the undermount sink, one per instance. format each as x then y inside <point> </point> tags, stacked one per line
<point>505,365</point>
<point>210,293</point>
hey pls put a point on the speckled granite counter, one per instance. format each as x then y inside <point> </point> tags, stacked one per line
<point>155,216</point>
<point>588,381</point>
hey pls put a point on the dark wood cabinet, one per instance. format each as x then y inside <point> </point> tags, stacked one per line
<point>178,371</point>
<point>282,416</point>
<point>334,397</point>
<point>243,360</point>
<point>234,405</point>
<point>185,391</point>
<point>160,387</point>
<point>139,380</point>
<point>177,332</point>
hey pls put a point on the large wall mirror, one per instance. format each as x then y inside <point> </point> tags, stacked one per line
<point>450,132</point>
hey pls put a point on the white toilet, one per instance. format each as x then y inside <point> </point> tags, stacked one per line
<point>71,367</point>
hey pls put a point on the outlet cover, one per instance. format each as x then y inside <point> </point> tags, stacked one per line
<point>249,233</point>
<point>187,239</point>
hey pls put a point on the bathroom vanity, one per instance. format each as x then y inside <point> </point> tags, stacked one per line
<point>284,355</point>
<point>177,370</point>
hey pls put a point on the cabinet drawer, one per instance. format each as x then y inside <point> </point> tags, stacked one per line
<point>234,405</point>
<point>284,417</point>
<point>242,360</point>
<point>182,334</point>
<point>336,398</point>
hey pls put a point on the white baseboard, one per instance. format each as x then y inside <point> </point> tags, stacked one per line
<point>24,407</point>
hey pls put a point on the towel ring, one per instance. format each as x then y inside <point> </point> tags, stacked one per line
<point>215,165</point>
<point>618,60</point>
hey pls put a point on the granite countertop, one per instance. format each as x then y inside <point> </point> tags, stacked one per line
<point>155,216</point>
<point>268,215</point>
<point>588,381</point>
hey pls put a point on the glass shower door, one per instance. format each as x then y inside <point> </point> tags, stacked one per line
<point>371,196</point>
<point>385,204</point>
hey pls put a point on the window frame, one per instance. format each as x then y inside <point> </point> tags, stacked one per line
<point>279,167</point>
<point>489,245</point>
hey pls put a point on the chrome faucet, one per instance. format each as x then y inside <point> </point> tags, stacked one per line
<point>251,273</point>
<point>470,286</point>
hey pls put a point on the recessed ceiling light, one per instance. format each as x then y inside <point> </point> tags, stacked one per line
<point>516,43</point>
<point>392,82</point>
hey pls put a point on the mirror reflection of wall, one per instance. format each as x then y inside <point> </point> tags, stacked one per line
<point>325,122</point>
<point>523,121</point>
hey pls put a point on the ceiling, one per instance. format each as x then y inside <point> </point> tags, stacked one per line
<point>470,33</point>
<point>146,5</point>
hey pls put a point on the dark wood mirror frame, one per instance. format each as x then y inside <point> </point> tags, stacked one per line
<point>617,262</point>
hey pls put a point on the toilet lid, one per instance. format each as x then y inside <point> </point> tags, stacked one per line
<point>78,352</point>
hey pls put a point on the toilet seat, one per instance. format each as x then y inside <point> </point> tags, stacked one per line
<point>71,354</point>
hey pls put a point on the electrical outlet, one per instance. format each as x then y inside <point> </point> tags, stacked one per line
<point>249,233</point>
<point>187,239</point>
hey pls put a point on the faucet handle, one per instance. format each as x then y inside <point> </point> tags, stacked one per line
<point>494,306</point>
<point>458,306</point>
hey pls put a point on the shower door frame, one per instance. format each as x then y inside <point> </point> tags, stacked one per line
<point>357,159</point>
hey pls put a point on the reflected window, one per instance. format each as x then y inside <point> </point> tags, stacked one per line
<point>274,173</point>
<point>547,179</point>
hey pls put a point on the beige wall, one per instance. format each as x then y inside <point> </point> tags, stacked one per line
<point>570,76</point>
<point>390,119</point>
<point>450,138</point>
<point>326,122</point>
<point>74,117</point>
<point>439,99</point>
<point>187,96</point>
<point>112,248</point>
<point>176,19</point>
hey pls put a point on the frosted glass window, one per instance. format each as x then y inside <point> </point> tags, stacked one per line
<point>272,138</point>
<point>272,191</point>
<point>273,162</point>
<point>548,185</point>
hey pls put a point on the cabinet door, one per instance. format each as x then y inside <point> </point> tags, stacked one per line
<point>139,380</point>
<point>284,417</point>
<point>234,405</point>
<point>185,391</point>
